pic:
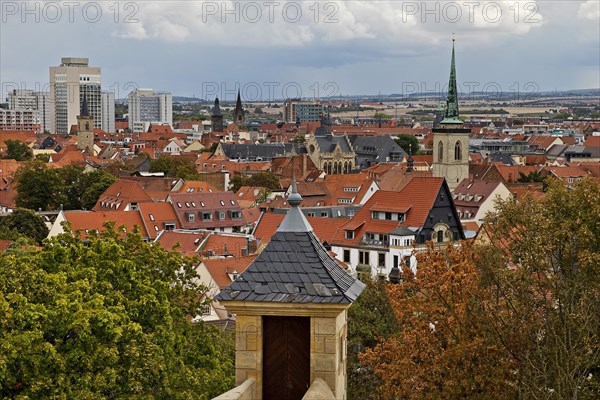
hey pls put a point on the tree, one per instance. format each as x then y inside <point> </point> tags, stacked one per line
<point>17,150</point>
<point>442,350</point>
<point>26,223</point>
<point>109,319</point>
<point>70,187</point>
<point>175,166</point>
<point>515,316</point>
<point>370,319</point>
<point>263,179</point>
<point>37,186</point>
<point>409,143</point>
<point>551,298</point>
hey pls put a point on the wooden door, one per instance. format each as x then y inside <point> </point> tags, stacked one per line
<point>286,357</point>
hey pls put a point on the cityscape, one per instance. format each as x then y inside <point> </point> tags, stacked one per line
<point>310,206</point>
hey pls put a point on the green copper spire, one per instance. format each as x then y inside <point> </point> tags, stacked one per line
<point>451,115</point>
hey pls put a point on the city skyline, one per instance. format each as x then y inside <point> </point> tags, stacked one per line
<point>352,48</point>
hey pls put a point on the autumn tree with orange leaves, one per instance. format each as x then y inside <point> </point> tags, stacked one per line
<point>443,349</point>
<point>515,315</point>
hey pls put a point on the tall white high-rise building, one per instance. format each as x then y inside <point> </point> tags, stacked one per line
<point>69,83</point>
<point>108,111</point>
<point>39,102</point>
<point>147,106</point>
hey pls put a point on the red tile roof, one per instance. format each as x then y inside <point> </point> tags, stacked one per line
<point>156,215</point>
<point>190,206</point>
<point>120,194</point>
<point>220,268</point>
<point>418,196</point>
<point>93,221</point>
<point>186,242</point>
<point>324,228</point>
<point>221,244</point>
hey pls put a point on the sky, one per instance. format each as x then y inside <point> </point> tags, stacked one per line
<point>311,49</point>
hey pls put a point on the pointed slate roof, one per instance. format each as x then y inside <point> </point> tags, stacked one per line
<point>84,107</point>
<point>216,111</point>
<point>294,268</point>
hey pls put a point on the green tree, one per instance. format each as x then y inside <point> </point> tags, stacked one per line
<point>71,187</point>
<point>263,179</point>
<point>409,143</point>
<point>26,223</point>
<point>109,319</point>
<point>17,150</point>
<point>38,186</point>
<point>381,115</point>
<point>175,166</point>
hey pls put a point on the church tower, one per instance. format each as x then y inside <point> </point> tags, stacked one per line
<point>451,139</point>
<point>216,117</point>
<point>238,112</point>
<point>85,128</point>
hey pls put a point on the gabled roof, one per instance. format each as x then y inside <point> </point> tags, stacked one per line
<point>188,204</point>
<point>121,193</point>
<point>418,197</point>
<point>294,268</point>
<point>328,143</point>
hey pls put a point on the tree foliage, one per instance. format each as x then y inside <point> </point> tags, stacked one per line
<point>441,350</point>
<point>26,223</point>
<point>17,150</point>
<point>515,316</point>
<point>175,166</point>
<point>550,300</point>
<point>409,143</point>
<point>106,320</point>
<point>41,187</point>
<point>370,319</point>
<point>263,179</point>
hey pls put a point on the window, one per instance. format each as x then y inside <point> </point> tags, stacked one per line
<point>458,151</point>
<point>347,256</point>
<point>151,217</point>
<point>349,234</point>
<point>221,215</point>
<point>440,236</point>
<point>388,216</point>
<point>156,228</point>
<point>324,214</point>
<point>375,215</point>
<point>169,226</point>
<point>311,214</point>
<point>363,257</point>
<point>236,215</point>
<point>396,263</point>
<point>206,216</point>
<point>232,202</point>
<point>440,151</point>
<point>187,204</point>
<point>191,217</point>
<point>202,203</point>
<point>193,204</point>
<point>222,203</point>
<point>179,204</point>
<point>381,259</point>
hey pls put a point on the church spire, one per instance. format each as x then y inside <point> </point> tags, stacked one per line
<point>451,114</point>
<point>84,107</point>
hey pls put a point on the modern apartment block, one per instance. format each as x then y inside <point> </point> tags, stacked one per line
<point>108,111</point>
<point>302,110</point>
<point>147,106</point>
<point>36,102</point>
<point>70,82</point>
<point>19,120</point>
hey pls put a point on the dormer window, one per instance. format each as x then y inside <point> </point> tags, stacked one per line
<point>206,216</point>
<point>350,235</point>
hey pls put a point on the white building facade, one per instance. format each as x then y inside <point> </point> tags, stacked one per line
<point>148,107</point>
<point>108,111</point>
<point>70,82</point>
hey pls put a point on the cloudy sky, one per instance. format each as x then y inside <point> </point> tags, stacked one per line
<point>275,49</point>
